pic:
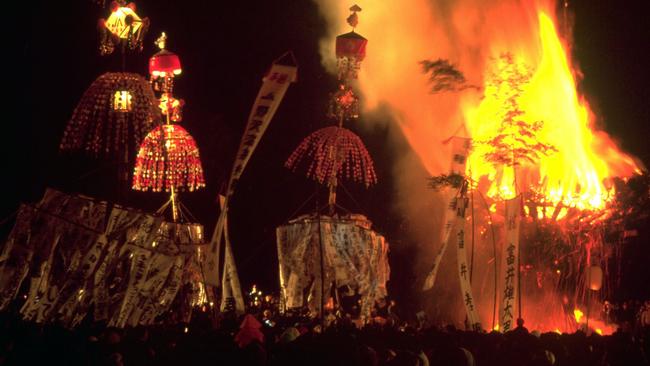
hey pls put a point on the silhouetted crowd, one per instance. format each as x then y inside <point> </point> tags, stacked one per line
<point>264,338</point>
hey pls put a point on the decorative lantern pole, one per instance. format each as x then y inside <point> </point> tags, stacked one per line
<point>344,104</point>
<point>337,151</point>
<point>168,158</point>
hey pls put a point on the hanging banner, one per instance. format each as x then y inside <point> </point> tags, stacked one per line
<point>230,286</point>
<point>450,218</point>
<point>213,252</point>
<point>139,268</point>
<point>463,269</point>
<point>274,85</point>
<point>509,263</point>
<point>353,256</point>
<point>459,150</point>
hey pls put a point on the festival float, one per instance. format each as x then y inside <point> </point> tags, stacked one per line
<point>77,256</point>
<point>320,253</point>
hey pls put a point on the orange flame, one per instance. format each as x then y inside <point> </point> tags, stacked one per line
<point>470,33</point>
<point>576,174</point>
<point>578,314</point>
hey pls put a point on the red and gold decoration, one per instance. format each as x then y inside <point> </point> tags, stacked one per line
<point>335,152</point>
<point>122,27</point>
<point>113,116</point>
<point>168,160</point>
<point>163,66</point>
<point>344,104</point>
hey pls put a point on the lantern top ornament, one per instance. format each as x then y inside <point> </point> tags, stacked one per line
<point>164,63</point>
<point>353,19</point>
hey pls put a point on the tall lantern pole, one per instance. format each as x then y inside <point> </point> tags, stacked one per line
<point>163,67</point>
<point>350,51</point>
<point>168,158</point>
<point>335,152</point>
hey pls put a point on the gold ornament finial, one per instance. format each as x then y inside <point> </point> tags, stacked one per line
<point>353,19</point>
<point>160,42</point>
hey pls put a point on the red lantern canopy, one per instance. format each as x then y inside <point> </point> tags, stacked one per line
<point>164,63</point>
<point>163,66</point>
<point>351,45</point>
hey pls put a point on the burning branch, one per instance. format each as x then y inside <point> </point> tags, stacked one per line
<point>516,140</point>
<point>444,77</point>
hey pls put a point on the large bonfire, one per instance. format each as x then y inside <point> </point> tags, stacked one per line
<point>534,136</point>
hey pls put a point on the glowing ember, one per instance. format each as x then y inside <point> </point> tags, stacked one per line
<point>168,158</point>
<point>578,314</point>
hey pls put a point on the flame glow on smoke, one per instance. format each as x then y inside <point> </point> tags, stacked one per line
<point>471,34</point>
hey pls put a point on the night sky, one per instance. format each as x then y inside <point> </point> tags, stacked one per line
<point>225,48</point>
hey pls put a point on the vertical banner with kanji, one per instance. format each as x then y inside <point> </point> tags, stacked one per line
<point>463,268</point>
<point>274,85</point>
<point>459,150</point>
<point>509,263</point>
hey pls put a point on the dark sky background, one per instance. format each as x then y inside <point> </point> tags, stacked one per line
<point>225,48</point>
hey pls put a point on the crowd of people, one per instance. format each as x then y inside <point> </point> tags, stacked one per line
<point>265,337</point>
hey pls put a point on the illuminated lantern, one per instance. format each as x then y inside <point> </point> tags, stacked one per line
<point>595,278</point>
<point>164,63</point>
<point>122,101</point>
<point>113,116</point>
<point>163,66</point>
<point>335,152</point>
<point>350,49</point>
<point>123,25</point>
<point>168,160</point>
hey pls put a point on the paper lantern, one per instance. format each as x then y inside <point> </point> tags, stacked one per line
<point>122,101</point>
<point>350,51</point>
<point>351,45</point>
<point>168,157</point>
<point>350,48</point>
<point>113,116</point>
<point>122,25</point>
<point>335,152</point>
<point>595,278</point>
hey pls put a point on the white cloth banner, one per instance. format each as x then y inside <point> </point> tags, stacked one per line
<point>353,255</point>
<point>459,150</point>
<point>230,286</point>
<point>450,218</point>
<point>509,263</point>
<point>463,268</point>
<point>274,85</point>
